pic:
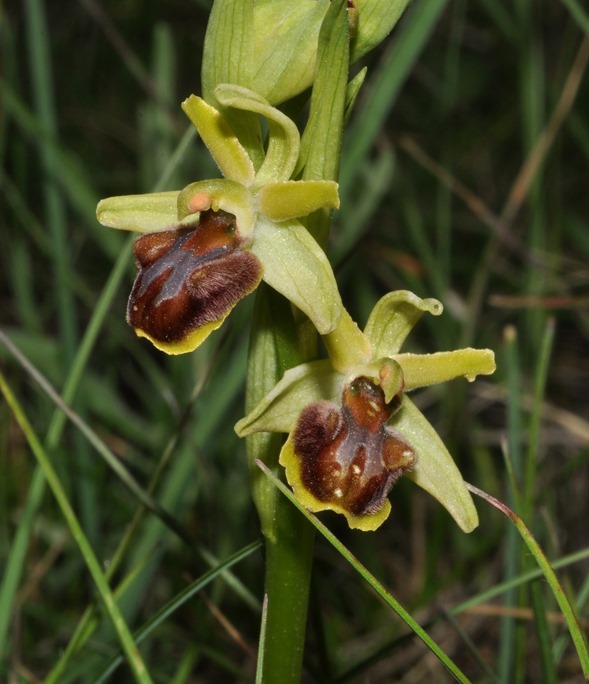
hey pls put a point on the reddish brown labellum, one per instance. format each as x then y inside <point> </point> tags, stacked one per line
<point>189,277</point>
<point>349,456</point>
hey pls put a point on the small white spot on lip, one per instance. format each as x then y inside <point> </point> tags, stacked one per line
<point>356,469</point>
<point>338,492</point>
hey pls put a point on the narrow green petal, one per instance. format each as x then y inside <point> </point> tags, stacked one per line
<point>435,470</point>
<point>299,387</point>
<point>429,369</point>
<point>225,148</point>
<point>393,318</point>
<point>140,213</point>
<point>219,193</point>
<point>292,199</point>
<point>283,139</point>
<point>292,465</point>
<point>297,267</point>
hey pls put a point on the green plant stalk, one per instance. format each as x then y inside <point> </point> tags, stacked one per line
<point>559,594</point>
<point>289,538</point>
<point>287,579</point>
<point>277,344</point>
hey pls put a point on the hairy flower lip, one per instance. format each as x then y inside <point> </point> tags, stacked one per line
<point>347,456</point>
<point>189,280</point>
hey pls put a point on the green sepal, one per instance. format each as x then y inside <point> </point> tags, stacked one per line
<point>298,268</point>
<point>435,470</point>
<point>148,213</point>
<point>291,199</point>
<point>393,318</point>
<point>300,386</point>
<point>229,154</point>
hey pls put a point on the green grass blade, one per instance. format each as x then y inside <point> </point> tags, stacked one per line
<point>578,14</point>
<point>417,26</point>
<point>262,642</point>
<point>113,462</point>
<point>40,66</point>
<point>531,461</point>
<point>548,572</point>
<point>12,573</point>
<point>524,578</point>
<point>178,601</point>
<point>127,642</point>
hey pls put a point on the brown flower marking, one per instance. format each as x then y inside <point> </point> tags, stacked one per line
<point>349,456</point>
<point>189,277</point>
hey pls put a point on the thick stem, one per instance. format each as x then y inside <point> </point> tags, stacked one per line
<point>288,573</point>
<point>275,346</point>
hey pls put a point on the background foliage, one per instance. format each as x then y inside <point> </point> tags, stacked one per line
<point>464,178</point>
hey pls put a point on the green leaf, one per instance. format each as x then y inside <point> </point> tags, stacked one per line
<point>285,46</point>
<point>228,55</point>
<point>322,138</point>
<point>297,267</point>
<point>376,21</point>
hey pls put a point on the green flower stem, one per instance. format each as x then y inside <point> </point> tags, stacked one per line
<point>288,573</point>
<point>275,347</point>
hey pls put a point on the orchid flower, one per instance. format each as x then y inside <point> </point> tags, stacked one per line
<point>353,431</point>
<point>210,244</point>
